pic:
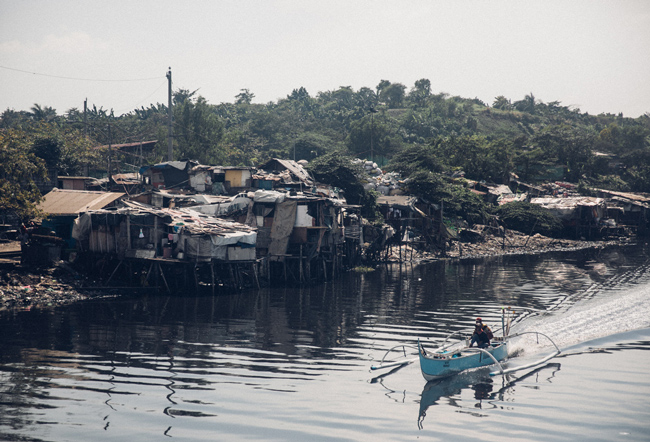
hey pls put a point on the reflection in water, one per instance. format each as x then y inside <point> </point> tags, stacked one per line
<point>141,367</point>
<point>482,387</point>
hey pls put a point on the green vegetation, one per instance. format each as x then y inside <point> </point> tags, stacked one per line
<point>529,218</point>
<point>427,137</point>
<point>19,170</point>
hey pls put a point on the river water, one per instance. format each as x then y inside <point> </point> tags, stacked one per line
<point>293,364</point>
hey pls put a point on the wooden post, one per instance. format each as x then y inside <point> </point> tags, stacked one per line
<point>212,274</point>
<point>257,281</point>
<point>163,277</point>
<point>155,234</point>
<point>110,277</point>
<point>128,232</point>
<point>232,275</point>
<point>148,273</point>
<point>300,265</point>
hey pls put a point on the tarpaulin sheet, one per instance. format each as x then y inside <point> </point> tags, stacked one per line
<point>283,222</point>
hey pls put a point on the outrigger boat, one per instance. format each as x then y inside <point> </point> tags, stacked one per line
<point>455,357</point>
<point>460,357</point>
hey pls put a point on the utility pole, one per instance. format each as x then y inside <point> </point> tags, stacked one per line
<point>170,148</point>
<point>372,133</point>
<point>86,118</point>
<point>110,154</point>
<point>86,171</point>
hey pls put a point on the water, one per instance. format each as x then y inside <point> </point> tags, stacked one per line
<point>293,364</point>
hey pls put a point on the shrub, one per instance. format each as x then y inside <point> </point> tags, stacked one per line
<point>529,218</point>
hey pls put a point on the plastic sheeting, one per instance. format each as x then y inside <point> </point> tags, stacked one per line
<point>269,196</point>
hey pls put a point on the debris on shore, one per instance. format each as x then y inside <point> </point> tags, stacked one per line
<point>498,244</point>
<point>25,288</point>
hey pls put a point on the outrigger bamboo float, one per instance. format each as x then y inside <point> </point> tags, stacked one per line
<point>454,357</point>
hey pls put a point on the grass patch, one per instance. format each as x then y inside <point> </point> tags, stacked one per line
<point>362,269</point>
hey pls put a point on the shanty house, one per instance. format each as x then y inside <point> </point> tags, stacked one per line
<point>171,174</point>
<point>145,232</point>
<point>281,174</point>
<point>237,179</point>
<point>62,206</point>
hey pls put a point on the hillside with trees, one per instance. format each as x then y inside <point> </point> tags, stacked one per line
<point>425,136</point>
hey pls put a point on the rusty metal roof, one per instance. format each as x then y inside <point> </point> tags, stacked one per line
<point>72,202</point>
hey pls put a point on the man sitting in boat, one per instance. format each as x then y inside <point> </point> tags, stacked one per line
<point>482,335</point>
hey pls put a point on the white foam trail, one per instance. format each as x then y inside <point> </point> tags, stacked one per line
<point>608,313</point>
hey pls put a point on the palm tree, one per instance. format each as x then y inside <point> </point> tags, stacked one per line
<point>39,113</point>
<point>527,104</point>
<point>502,103</point>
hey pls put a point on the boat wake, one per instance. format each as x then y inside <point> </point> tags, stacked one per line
<point>608,312</point>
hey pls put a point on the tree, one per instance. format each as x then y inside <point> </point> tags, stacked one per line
<point>10,119</point>
<point>300,94</point>
<point>373,135</point>
<point>476,155</point>
<point>310,145</point>
<point>339,170</point>
<point>48,147</point>
<point>420,92</point>
<point>19,168</point>
<point>502,103</point>
<point>197,129</point>
<point>39,113</point>
<point>393,95</point>
<point>412,159</point>
<point>383,84</point>
<point>527,104</point>
<point>571,147</point>
<point>366,99</point>
<point>244,97</point>
<point>457,201</point>
<point>529,218</point>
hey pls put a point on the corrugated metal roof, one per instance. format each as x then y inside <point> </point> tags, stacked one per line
<point>642,198</point>
<point>72,202</point>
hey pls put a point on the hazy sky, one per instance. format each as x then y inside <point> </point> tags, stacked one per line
<point>592,54</point>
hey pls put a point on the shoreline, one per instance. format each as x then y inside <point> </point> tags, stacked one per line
<point>26,288</point>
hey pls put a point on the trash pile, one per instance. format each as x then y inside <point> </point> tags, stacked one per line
<point>24,290</point>
<point>494,243</point>
<point>390,183</point>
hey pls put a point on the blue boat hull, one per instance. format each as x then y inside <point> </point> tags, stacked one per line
<point>440,365</point>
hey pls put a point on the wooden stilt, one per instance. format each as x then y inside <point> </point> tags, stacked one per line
<point>232,276</point>
<point>162,274</point>
<point>148,273</point>
<point>308,269</point>
<point>300,265</point>
<point>257,280</point>
<point>111,277</point>
<point>212,274</point>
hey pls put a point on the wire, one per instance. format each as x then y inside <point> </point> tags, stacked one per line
<point>78,79</point>
<point>143,100</point>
